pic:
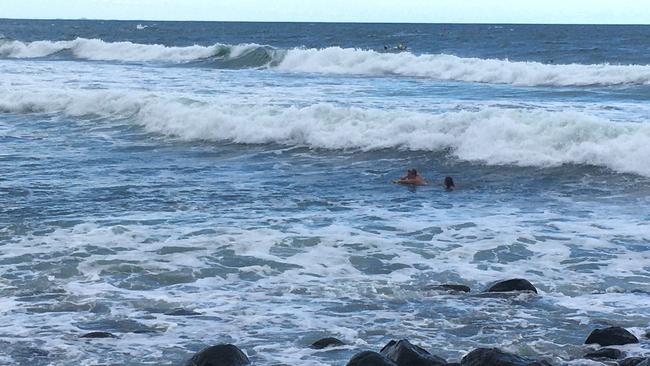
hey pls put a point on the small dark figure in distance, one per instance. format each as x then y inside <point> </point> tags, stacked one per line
<point>449,184</point>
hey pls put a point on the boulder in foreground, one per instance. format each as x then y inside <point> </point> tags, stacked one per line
<point>403,353</point>
<point>515,284</point>
<point>219,355</point>
<point>369,358</point>
<point>612,336</point>
<point>496,357</point>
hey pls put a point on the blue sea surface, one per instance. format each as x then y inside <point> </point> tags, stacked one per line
<point>243,171</point>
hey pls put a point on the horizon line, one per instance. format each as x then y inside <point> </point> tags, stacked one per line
<point>319,21</point>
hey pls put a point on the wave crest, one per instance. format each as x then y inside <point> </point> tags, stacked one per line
<point>492,135</point>
<point>342,61</point>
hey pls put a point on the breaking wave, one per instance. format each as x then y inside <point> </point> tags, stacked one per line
<point>493,136</point>
<point>345,61</point>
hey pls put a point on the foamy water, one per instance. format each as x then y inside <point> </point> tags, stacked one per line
<point>136,182</point>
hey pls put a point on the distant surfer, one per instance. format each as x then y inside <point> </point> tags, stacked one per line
<point>412,177</point>
<point>449,183</point>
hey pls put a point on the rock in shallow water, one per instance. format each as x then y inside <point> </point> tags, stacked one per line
<point>449,287</point>
<point>631,361</point>
<point>327,342</point>
<point>612,336</point>
<point>611,353</point>
<point>515,284</point>
<point>219,355</point>
<point>98,335</point>
<point>369,358</point>
<point>645,362</point>
<point>496,357</point>
<point>182,312</point>
<point>403,353</point>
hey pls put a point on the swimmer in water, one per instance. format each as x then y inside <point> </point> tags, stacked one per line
<point>412,177</point>
<point>449,183</point>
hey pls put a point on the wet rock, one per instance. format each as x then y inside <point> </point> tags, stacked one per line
<point>449,287</point>
<point>369,358</point>
<point>403,353</point>
<point>496,357</point>
<point>631,361</point>
<point>611,336</point>
<point>515,284</point>
<point>219,355</point>
<point>611,353</point>
<point>182,312</point>
<point>327,342</point>
<point>98,335</point>
<point>645,362</point>
<point>118,326</point>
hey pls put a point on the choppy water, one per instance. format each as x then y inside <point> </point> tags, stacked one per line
<point>243,171</point>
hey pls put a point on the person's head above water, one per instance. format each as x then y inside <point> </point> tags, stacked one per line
<point>449,183</point>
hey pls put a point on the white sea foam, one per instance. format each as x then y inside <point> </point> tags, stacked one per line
<point>337,60</point>
<point>96,49</point>
<point>348,61</point>
<point>490,135</point>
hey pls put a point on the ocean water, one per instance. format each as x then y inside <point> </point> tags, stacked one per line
<point>242,171</point>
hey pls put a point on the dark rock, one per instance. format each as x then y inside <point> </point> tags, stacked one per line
<point>98,335</point>
<point>516,284</point>
<point>631,361</point>
<point>449,287</point>
<point>118,326</point>
<point>219,355</point>
<point>327,342</point>
<point>453,364</point>
<point>182,312</point>
<point>496,357</point>
<point>612,353</point>
<point>645,362</point>
<point>403,353</point>
<point>369,358</point>
<point>612,336</point>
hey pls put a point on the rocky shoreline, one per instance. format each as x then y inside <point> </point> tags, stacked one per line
<point>404,353</point>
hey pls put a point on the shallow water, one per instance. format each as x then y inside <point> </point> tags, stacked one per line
<point>260,198</point>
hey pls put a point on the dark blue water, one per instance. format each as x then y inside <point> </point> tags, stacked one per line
<point>243,171</point>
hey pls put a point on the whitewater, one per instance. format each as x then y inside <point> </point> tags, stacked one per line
<point>178,185</point>
<point>337,60</point>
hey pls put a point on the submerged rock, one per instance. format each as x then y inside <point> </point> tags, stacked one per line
<point>219,355</point>
<point>612,336</point>
<point>496,357</point>
<point>182,312</point>
<point>327,342</point>
<point>515,284</point>
<point>98,335</point>
<point>449,287</point>
<point>369,358</point>
<point>612,353</point>
<point>403,353</point>
<point>631,361</point>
